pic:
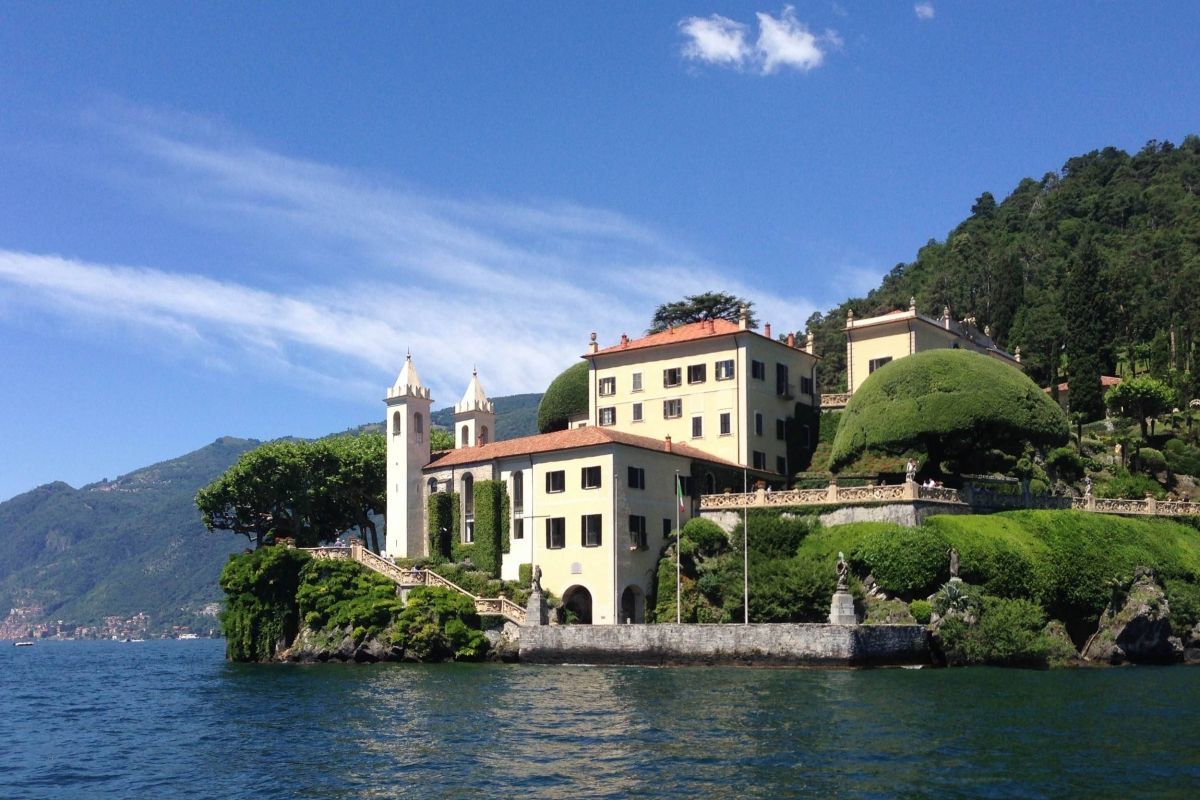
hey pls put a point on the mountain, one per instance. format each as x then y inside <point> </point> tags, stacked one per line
<point>1132,221</point>
<point>135,544</point>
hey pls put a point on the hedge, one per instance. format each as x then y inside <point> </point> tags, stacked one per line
<point>489,525</point>
<point>443,513</point>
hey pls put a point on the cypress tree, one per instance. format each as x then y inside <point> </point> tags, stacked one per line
<point>1087,337</point>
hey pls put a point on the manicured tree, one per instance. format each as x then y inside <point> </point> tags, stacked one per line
<point>1140,398</point>
<point>566,395</point>
<point>947,404</point>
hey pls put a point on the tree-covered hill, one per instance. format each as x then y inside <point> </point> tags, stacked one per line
<point>516,415</point>
<point>1094,268</point>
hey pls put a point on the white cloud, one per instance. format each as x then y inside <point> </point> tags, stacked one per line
<point>353,272</point>
<point>924,10</point>
<point>715,39</point>
<point>783,41</point>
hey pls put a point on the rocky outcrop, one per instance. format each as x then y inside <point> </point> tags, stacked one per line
<point>312,646</point>
<point>1136,627</point>
<point>505,643</point>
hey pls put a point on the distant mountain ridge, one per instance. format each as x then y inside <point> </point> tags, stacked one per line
<point>136,544</point>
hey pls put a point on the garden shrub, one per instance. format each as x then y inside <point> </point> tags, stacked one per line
<point>260,612</point>
<point>1184,599</point>
<point>905,561</point>
<point>1151,460</point>
<point>1065,464</point>
<point>1182,458</point>
<point>921,611</point>
<point>790,590</point>
<point>773,535</point>
<point>1008,633</point>
<point>340,594</point>
<point>525,574</point>
<point>1131,486</point>
<point>707,536</point>
<point>440,624</point>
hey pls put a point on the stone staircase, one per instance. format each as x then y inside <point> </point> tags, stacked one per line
<point>412,578</point>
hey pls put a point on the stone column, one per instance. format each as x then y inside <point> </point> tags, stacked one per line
<point>841,610</point>
<point>536,610</point>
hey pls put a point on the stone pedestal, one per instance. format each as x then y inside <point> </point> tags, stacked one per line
<point>841,611</point>
<point>536,610</point>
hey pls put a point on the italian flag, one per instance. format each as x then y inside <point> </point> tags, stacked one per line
<point>679,493</point>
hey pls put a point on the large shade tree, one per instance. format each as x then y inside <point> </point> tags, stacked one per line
<point>700,307</point>
<point>948,406</point>
<point>309,491</point>
<point>1140,398</point>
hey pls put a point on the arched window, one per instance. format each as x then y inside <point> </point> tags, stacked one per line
<point>468,523</point>
<point>419,427</point>
<point>710,483</point>
<point>518,492</point>
<point>433,485</point>
<point>483,434</point>
<point>466,436</point>
<point>397,427</point>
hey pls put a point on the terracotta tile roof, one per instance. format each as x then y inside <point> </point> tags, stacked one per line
<point>682,333</point>
<point>1106,382</point>
<point>570,439</point>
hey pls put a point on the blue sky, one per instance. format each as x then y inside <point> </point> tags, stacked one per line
<point>234,219</point>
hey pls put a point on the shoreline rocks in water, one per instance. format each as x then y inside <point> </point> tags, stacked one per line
<point>1136,626</point>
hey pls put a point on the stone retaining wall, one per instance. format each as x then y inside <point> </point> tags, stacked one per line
<point>753,645</point>
<point>909,514</point>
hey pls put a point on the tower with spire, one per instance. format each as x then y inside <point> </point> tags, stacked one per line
<point>408,426</point>
<point>474,416</point>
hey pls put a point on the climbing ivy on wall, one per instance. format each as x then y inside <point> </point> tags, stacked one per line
<point>490,531</point>
<point>443,523</point>
<point>260,602</point>
<point>505,514</point>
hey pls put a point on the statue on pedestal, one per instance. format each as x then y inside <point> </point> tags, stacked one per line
<point>843,573</point>
<point>953,564</point>
<point>536,585</point>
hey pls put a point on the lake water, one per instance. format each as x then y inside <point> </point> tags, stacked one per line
<point>173,719</point>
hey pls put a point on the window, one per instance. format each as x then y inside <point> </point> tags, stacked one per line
<point>589,525</point>
<point>876,363</point>
<point>637,382</point>
<point>685,481</point>
<point>469,532</point>
<point>468,490</point>
<point>806,386</point>
<point>433,485</point>
<point>518,528</point>
<point>419,426</point>
<point>590,478</point>
<point>668,526</point>
<point>637,478</point>
<point>781,380</point>
<point>697,373</point>
<point>758,370</point>
<point>672,377</point>
<point>726,425</point>
<point>758,423</point>
<point>518,492</point>
<point>637,532</point>
<point>608,386</point>
<point>697,427</point>
<point>608,416</point>
<point>556,481</point>
<point>710,483</point>
<point>556,533</point>
<point>637,412</point>
<point>781,465</point>
<point>760,460</point>
<point>466,436</point>
<point>672,409</point>
<point>483,434</point>
<point>397,427</point>
<point>780,430</point>
<point>723,370</point>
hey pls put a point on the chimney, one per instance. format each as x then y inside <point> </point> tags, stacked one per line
<point>669,450</point>
<point>593,347</point>
<point>624,340</point>
<point>767,330</point>
<point>850,318</point>
<point>811,344</point>
<point>791,340</point>
<point>743,318</point>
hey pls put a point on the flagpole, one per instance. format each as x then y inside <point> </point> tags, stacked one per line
<point>678,545</point>
<point>745,548</point>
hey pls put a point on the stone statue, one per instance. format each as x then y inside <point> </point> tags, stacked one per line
<point>1087,486</point>
<point>843,573</point>
<point>910,471</point>
<point>953,563</point>
<point>537,579</point>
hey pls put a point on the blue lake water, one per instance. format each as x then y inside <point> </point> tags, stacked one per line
<point>173,719</point>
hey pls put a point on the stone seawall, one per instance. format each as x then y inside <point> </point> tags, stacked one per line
<point>754,645</point>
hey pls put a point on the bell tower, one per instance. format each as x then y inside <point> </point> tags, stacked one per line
<point>408,428</point>
<point>474,417</point>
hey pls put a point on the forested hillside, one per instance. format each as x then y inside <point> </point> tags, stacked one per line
<point>1094,268</point>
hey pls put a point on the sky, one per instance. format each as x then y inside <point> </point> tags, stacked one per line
<point>236,219</point>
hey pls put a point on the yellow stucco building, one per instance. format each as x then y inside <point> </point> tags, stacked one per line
<point>703,407</point>
<point>872,342</point>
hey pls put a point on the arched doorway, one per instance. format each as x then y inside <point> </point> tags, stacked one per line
<point>577,605</point>
<point>633,605</point>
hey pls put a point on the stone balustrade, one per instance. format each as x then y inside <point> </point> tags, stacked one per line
<point>972,496</point>
<point>831,401</point>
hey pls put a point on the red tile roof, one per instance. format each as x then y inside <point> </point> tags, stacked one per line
<point>683,333</point>
<point>570,439</point>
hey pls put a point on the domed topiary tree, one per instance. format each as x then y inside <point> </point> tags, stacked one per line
<point>948,405</point>
<point>566,395</point>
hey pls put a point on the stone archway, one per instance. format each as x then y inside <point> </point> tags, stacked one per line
<point>633,605</point>
<point>578,601</point>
